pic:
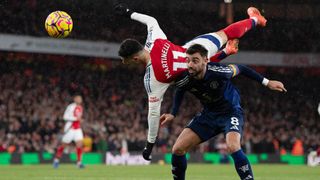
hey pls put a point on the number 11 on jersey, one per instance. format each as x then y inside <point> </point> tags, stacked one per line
<point>181,60</point>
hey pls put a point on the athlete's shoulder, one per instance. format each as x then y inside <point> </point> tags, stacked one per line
<point>218,67</point>
<point>71,105</point>
<point>183,79</point>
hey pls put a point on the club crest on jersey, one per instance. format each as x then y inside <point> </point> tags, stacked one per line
<point>214,85</point>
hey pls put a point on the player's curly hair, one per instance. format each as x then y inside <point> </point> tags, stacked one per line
<point>197,48</point>
<point>129,47</point>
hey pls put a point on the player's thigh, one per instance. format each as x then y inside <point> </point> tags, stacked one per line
<point>78,136</point>
<point>67,137</point>
<point>211,41</point>
<point>186,140</point>
<point>154,88</point>
<point>234,130</point>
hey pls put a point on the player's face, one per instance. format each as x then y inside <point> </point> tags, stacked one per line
<point>196,65</point>
<point>78,99</point>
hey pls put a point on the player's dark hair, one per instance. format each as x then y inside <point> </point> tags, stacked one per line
<point>197,48</point>
<point>129,47</point>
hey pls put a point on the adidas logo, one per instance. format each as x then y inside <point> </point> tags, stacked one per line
<point>234,127</point>
<point>248,177</point>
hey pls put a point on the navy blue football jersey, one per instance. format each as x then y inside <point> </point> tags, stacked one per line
<point>215,91</point>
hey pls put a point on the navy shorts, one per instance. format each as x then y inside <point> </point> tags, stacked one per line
<point>208,124</point>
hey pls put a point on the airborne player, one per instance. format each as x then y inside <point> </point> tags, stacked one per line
<point>165,60</point>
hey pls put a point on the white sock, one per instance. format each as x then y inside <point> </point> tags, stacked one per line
<point>255,19</point>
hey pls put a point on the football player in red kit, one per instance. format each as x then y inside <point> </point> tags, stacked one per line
<point>72,131</point>
<point>165,60</point>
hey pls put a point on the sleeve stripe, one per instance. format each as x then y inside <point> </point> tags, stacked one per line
<point>235,70</point>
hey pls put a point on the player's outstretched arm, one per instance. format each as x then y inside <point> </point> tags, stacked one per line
<point>154,30</point>
<point>122,9</point>
<point>252,74</point>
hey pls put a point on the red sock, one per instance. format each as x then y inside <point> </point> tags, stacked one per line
<point>238,29</point>
<point>59,152</point>
<point>79,154</point>
<point>218,57</point>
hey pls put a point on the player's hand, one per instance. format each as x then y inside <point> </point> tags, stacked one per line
<point>276,86</point>
<point>165,118</point>
<point>232,46</point>
<point>146,153</point>
<point>122,9</point>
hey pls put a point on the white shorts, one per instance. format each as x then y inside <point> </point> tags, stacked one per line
<point>211,41</point>
<point>72,135</point>
<point>154,88</point>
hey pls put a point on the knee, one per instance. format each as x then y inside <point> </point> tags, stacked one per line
<point>233,147</point>
<point>79,144</point>
<point>179,151</point>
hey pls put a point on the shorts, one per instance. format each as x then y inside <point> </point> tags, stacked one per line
<point>72,135</point>
<point>211,41</point>
<point>208,124</point>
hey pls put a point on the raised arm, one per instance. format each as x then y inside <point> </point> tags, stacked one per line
<point>229,71</point>
<point>252,74</point>
<point>154,30</point>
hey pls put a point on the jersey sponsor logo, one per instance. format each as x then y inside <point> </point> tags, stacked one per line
<point>153,99</point>
<point>164,60</point>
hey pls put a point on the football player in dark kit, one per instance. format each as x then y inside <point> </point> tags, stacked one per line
<point>222,113</point>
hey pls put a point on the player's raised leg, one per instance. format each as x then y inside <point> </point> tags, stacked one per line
<point>186,140</point>
<point>214,41</point>
<point>238,29</point>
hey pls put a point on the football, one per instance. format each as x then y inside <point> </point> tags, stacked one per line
<point>59,24</point>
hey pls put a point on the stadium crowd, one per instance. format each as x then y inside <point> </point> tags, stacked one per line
<point>96,21</point>
<point>35,90</point>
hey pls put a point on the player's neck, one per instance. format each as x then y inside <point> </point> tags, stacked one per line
<point>146,57</point>
<point>201,74</point>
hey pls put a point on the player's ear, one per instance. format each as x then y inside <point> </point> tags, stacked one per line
<point>206,59</point>
<point>135,58</point>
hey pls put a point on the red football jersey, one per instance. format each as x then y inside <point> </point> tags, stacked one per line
<point>168,60</point>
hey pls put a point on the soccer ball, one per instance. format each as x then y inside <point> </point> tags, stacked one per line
<point>59,24</point>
